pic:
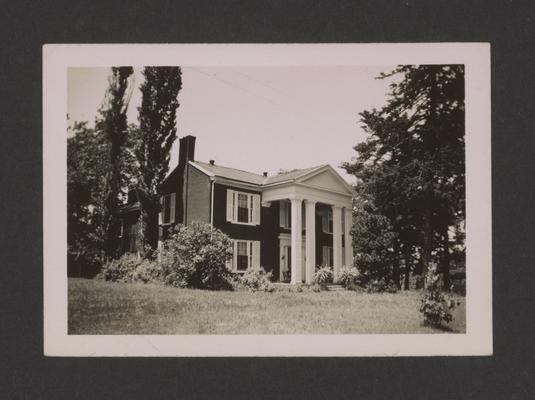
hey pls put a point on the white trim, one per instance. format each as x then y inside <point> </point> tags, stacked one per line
<point>252,200</point>
<point>252,257</point>
<point>307,185</point>
<point>212,201</point>
<point>238,184</point>
<point>326,167</point>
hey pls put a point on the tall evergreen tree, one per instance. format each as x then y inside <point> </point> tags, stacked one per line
<point>412,163</point>
<point>113,123</point>
<point>157,124</point>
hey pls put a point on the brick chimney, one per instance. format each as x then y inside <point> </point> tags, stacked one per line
<point>186,152</point>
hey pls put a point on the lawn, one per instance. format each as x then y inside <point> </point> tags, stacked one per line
<point>97,307</point>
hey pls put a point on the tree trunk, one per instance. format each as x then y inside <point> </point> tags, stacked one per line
<point>406,280</point>
<point>446,259</point>
<point>428,236</point>
<point>395,265</point>
<point>151,229</point>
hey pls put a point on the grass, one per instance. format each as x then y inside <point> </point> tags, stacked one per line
<point>97,307</point>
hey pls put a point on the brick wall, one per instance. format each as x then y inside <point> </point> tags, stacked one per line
<point>198,196</point>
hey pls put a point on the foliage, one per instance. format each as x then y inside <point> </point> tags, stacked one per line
<point>195,256</point>
<point>381,286</point>
<point>435,305</point>
<point>412,164</point>
<point>130,268</point>
<point>349,277</point>
<point>323,276</point>
<point>88,164</point>
<point>112,123</point>
<point>257,280</point>
<point>157,129</point>
<point>373,239</point>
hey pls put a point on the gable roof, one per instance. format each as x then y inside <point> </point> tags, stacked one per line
<point>295,175</point>
<point>290,175</point>
<point>229,173</point>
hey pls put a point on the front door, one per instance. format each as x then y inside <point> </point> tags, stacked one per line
<point>286,259</point>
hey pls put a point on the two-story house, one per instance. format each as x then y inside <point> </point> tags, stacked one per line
<point>287,223</point>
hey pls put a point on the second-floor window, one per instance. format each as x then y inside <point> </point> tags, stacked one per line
<point>327,220</point>
<point>243,208</point>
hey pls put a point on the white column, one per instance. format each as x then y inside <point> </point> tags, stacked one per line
<point>297,241</point>
<point>310,218</point>
<point>337,240</point>
<point>348,212</point>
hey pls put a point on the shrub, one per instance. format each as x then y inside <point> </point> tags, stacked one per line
<point>130,268</point>
<point>195,256</point>
<point>323,276</point>
<point>381,286</point>
<point>349,277</point>
<point>120,270</point>
<point>257,280</point>
<point>148,272</point>
<point>435,306</point>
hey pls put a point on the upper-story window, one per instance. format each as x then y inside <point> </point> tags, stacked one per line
<point>167,213</point>
<point>327,220</point>
<point>285,215</point>
<point>243,208</point>
<point>285,220</point>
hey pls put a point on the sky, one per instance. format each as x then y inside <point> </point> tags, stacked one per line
<point>257,118</point>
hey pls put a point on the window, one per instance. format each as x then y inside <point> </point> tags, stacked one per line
<point>242,261</point>
<point>327,256</point>
<point>246,255</point>
<point>327,220</point>
<point>285,220</point>
<point>243,208</point>
<point>285,215</point>
<point>167,213</point>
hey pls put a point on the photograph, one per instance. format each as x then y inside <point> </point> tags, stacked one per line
<point>254,204</point>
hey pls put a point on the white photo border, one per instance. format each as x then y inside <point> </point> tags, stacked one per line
<point>478,337</point>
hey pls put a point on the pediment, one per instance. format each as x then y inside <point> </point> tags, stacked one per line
<point>328,179</point>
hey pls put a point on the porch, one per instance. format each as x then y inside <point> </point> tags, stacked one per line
<point>303,198</point>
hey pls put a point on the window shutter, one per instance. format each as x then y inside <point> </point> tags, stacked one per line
<point>172,212</point>
<point>256,209</point>
<point>160,216</point>
<point>256,254</point>
<point>235,256</point>
<point>230,205</point>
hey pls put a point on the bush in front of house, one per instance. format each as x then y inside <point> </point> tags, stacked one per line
<point>349,277</point>
<point>257,280</point>
<point>119,270</point>
<point>323,276</point>
<point>130,268</point>
<point>195,256</point>
<point>435,305</point>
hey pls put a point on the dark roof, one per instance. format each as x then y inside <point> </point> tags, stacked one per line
<point>249,177</point>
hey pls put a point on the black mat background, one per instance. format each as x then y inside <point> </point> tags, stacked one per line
<point>26,26</point>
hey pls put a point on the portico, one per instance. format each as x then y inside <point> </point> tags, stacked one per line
<point>323,186</point>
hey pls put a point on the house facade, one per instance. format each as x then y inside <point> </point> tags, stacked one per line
<point>287,223</point>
